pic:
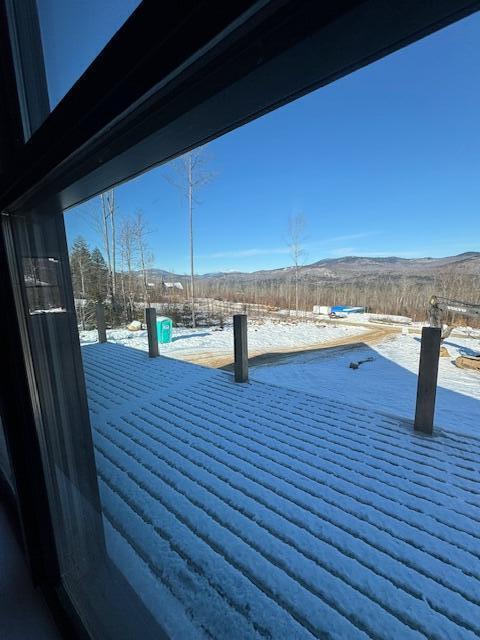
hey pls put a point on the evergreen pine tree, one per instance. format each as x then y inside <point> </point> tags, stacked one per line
<point>98,284</point>
<point>81,266</point>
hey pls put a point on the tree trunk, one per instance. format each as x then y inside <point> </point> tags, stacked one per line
<point>106,241</point>
<point>190,214</point>
<point>82,307</point>
<point>113,247</point>
<point>296,291</point>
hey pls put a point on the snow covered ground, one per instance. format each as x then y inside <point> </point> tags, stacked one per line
<point>389,382</point>
<point>254,512</point>
<point>262,336</point>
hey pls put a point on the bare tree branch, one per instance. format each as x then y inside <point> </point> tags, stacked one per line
<point>190,175</point>
<point>295,240</point>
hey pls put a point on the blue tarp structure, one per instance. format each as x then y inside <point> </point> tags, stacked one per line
<point>347,309</point>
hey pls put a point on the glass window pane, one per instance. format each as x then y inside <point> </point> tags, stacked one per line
<point>255,507</point>
<point>73,34</point>
<point>262,510</point>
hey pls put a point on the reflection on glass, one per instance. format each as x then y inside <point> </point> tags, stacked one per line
<point>73,34</point>
<point>41,277</point>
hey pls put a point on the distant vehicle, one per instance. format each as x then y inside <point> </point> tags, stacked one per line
<point>438,307</point>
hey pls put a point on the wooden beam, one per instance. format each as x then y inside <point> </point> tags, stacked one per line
<point>427,379</point>
<point>240,347</point>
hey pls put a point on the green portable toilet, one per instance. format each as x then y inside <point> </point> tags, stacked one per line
<point>164,329</point>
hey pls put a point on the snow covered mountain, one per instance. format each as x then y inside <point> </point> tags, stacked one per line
<point>351,267</point>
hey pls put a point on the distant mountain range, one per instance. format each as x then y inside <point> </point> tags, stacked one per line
<point>351,268</point>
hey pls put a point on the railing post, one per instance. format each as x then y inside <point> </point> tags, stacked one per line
<point>101,326</point>
<point>151,322</point>
<point>240,347</point>
<point>427,379</point>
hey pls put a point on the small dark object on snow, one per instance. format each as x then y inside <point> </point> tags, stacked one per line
<point>355,365</point>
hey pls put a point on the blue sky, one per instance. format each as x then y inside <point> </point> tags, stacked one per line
<point>383,162</point>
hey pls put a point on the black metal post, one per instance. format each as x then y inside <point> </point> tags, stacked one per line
<point>101,326</point>
<point>240,347</point>
<point>427,379</point>
<point>151,322</point>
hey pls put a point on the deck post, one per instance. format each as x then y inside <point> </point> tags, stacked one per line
<point>101,326</point>
<point>427,379</point>
<point>240,347</point>
<point>151,322</point>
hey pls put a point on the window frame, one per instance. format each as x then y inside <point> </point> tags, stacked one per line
<point>154,106</point>
<point>88,144</point>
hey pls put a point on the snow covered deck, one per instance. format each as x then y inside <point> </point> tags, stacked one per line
<point>251,511</point>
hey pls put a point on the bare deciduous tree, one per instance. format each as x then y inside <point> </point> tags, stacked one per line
<point>128,259</point>
<point>108,213</point>
<point>145,256</point>
<point>190,174</point>
<point>295,240</point>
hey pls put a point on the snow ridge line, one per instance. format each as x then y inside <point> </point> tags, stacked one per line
<point>104,379</point>
<point>260,416</point>
<point>276,560</point>
<point>267,591</point>
<point>337,439</point>
<point>439,441</point>
<point>119,352</point>
<point>321,403</point>
<point>119,355</point>
<point>375,431</point>
<point>243,610</point>
<point>97,384</point>
<point>338,448</point>
<point>412,621</point>
<point>336,472</point>
<point>119,380</point>
<point>112,360</point>
<point>242,464</point>
<point>460,588</point>
<point>137,357</point>
<point>100,372</point>
<point>159,571</point>
<point>124,390</point>
<point>147,560</point>
<point>96,406</point>
<point>97,391</point>
<point>115,362</point>
<point>408,437</point>
<point>445,558</point>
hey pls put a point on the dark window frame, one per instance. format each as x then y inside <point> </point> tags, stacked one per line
<point>189,83</point>
<point>109,126</point>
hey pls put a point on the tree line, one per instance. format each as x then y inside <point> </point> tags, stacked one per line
<point>118,276</point>
<point>135,288</point>
<point>383,294</point>
<point>111,275</point>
